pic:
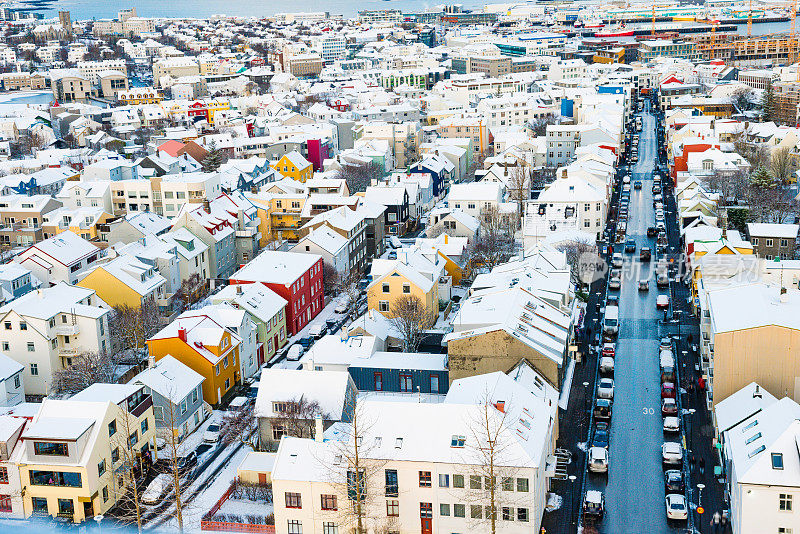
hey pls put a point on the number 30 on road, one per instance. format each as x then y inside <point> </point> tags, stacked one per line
<point>648,411</point>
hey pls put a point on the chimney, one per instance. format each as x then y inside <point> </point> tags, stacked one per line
<point>757,392</point>
<point>563,173</point>
<point>207,205</point>
<point>151,361</point>
<point>501,406</point>
<point>239,290</point>
<point>254,189</point>
<point>318,428</point>
<point>445,238</point>
<point>784,295</point>
<point>182,334</point>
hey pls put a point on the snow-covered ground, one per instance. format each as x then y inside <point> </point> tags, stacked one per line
<point>401,397</point>
<point>244,508</point>
<point>195,439</point>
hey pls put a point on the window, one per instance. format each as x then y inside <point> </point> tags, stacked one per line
<point>476,511</point>
<point>7,345</point>
<point>378,381</point>
<point>39,504</point>
<point>3,475</point>
<point>112,428</point>
<point>424,479</point>
<point>777,460</point>
<point>459,510</point>
<point>329,527</point>
<point>391,483</point>
<point>101,467</point>
<point>46,448</point>
<point>754,241</point>
<point>115,455</point>
<point>34,369</point>
<point>356,485</point>
<point>5,503</point>
<point>475,482</point>
<point>784,530</point>
<point>458,481</point>
<point>133,439</point>
<point>769,242</point>
<point>7,325</point>
<point>785,502</point>
<point>444,480</point>
<point>145,425</point>
<point>507,513</point>
<point>385,290</point>
<point>425,510</point>
<point>522,514</point>
<point>406,383</point>
<point>444,509</point>
<point>458,441</point>
<point>434,383</point>
<point>23,325</point>
<point>406,288</point>
<point>522,484</point>
<point>293,500</point>
<point>105,494</point>
<point>31,347</point>
<point>392,508</point>
<point>55,478</point>
<point>328,502</point>
<point>295,527</point>
<point>383,306</point>
<point>216,370</point>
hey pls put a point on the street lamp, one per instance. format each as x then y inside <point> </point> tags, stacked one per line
<point>98,518</point>
<point>572,479</point>
<point>690,411</point>
<point>700,506</point>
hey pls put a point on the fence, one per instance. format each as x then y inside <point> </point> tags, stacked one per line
<point>209,524</point>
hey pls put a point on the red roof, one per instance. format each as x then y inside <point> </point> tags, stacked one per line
<point>172,147</point>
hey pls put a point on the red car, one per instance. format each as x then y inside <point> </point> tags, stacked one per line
<point>609,349</point>
<point>667,390</point>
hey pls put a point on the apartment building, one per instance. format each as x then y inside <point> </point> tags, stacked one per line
<point>46,329</point>
<point>430,474</point>
<point>94,70</point>
<point>126,281</point>
<point>174,67</point>
<point>649,50</point>
<point>61,258</point>
<point>217,228</point>
<point>351,226</point>
<point>773,241</point>
<point>404,138</point>
<point>21,218</point>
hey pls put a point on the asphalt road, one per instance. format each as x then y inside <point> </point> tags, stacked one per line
<point>634,487</point>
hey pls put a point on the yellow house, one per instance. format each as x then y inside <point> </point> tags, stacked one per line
<point>206,347</point>
<point>75,455</point>
<point>293,165</point>
<point>281,216</point>
<point>722,246</point>
<point>402,280</point>
<point>126,281</point>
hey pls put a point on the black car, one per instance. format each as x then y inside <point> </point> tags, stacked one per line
<point>186,463</point>
<point>630,245</point>
<point>673,481</point>
<point>644,254</point>
<point>602,409</point>
<point>652,231</point>
<point>637,184</point>
<point>656,189</point>
<point>600,438</point>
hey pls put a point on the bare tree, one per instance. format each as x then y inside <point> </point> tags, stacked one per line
<point>299,417</point>
<point>574,249</point>
<point>87,368</point>
<point>410,318</point>
<point>131,327</point>
<point>539,126</point>
<point>489,451</point>
<point>330,278</point>
<point>494,245</point>
<point>173,451</point>
<point>519,188</point>
<point>359,177</point>
<point>238,426</point>
<point>782,164</point>
<point>730,186</point>
<point>192,289</point>
<point>742,98</point>
<point>126,478</point>
<point>756,155</point>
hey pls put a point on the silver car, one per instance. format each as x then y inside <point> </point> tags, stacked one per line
<point>605,388</point>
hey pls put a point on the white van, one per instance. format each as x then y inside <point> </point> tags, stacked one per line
<point>157,489</point>
<point>666,359</point>
<point>611,320</point>
<point>295,352</point>
<point>317,330</point>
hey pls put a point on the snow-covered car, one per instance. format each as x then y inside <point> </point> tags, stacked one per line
<point>295,352</point>
<point>343,305</point>
<point>606,364</point>
<point>211,434</point>
<point>676,507</point>
<point>157,488</point>
<point>605,388</point>
<point>598,460</point>
<point>662,302</point>
<point>317,330</point>
<point>672,424</point>
<point>671,453</point>
<point>669,407</point>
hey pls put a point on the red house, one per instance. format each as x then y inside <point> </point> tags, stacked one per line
<point>295,276</point>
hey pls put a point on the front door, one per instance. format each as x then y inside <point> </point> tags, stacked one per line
<point>426,517</point>
<point>88,510</point>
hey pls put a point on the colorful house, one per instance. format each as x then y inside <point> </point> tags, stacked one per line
<point>293,165</point>
<point>126,281</point>
<point>206,347</point>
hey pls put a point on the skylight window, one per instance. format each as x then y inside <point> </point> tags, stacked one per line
<point>458,441</point>
<point>398,443</point>
<point>752,438</point>
<point>777,460</point>
<point>758,450</point>
<point>750,425</point>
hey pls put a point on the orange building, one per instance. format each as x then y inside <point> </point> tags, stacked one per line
<point>205,346</point>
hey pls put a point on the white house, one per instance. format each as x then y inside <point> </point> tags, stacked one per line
<point>475,197</point>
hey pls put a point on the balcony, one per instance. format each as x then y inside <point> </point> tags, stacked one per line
<point>68,352</point>
<point>67,329</point>
<point>140,408</point>
<point>247,231</point>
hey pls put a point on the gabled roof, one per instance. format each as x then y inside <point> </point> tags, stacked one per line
<point>169,378</point>
<point>328,388</point>
<point>66,248</point>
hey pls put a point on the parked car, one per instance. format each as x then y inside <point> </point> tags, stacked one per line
<point>600,436</point>
<point>317,330</point>
<point>344,302</point>
<point>667,374</point>
<point>668,390</point>
<point>295,352</point>
<point>609,349</point>
<point>662,302</point>
<point>598,460</point>
<point>666,358</point>
<point>676,507</point>
<point>605,388</point>
<point>672,424</point>
<point>615,283</point>
<point>673,481</point>
<point>669,407</point>
<point>612,300</point>
<point>186,463</point>
<point>616,260</point>
<point>665,344</point>
<point>607,365</point>
<point>603,409</point>
<point>211,434</point>
<point>594,504</point>
<point>157,489</point>
<point>671,453</point>
<point>656,189</point>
